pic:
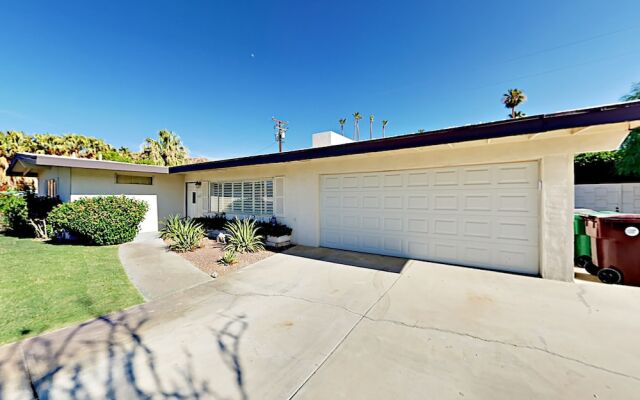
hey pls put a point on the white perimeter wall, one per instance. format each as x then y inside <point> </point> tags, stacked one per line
<point>555,156</point>
<point>622,197</point>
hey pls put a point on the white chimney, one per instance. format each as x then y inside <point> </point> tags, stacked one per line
<point>328,138</point>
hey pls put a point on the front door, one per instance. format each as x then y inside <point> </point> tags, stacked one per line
<point>194,200</point>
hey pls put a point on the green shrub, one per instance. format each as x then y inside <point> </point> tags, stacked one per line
<point>186,235</point>
<point>217,221</point>
<point>104,220</point>
<point>14,214</point>
<point>244,236</point>
<point>228,257</point>
<point>171,224</point>
<point>277,229</point>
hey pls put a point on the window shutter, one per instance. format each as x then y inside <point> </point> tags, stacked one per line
<point>278,196</point>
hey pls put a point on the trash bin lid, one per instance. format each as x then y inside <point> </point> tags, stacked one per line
<point>585,212</point>
<point>623,218</point>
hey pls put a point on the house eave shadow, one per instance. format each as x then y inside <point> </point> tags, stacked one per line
<point>350,258</point>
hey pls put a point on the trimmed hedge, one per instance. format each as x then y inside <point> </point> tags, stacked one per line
<point>104,220</point>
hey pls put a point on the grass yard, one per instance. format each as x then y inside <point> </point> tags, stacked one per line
<point>45,286</point>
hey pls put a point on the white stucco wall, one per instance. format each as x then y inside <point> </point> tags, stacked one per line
<point>62,176</point>
<point>553,152</point>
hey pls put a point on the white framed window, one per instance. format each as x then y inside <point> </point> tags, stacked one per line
<point>245,197</point>
<point>52,188</point>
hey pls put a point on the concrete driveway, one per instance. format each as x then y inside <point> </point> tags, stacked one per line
<point>301,325</point>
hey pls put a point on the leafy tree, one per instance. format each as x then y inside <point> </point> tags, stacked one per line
<point>512,99</point>
<point>629,153</point>
<point>634,94</point>
<point>342,121</point>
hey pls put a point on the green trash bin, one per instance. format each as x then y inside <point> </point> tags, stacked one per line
<point>581,241</point>
<point>582,255</point>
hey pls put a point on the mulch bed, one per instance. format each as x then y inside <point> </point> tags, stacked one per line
<point>206,258</point>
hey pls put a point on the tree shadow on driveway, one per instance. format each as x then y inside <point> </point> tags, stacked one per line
<point>109,358</point>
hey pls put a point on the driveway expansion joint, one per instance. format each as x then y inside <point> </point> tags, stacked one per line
<point>253,294</point>
<point>337,346</point>
<point>496,341</point>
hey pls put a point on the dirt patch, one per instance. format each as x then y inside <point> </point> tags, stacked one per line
<point>206,258</point>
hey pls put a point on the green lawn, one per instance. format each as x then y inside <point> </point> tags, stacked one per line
<point>45,286</point>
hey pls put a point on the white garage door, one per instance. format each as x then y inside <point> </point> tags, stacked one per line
<point>484,216</point>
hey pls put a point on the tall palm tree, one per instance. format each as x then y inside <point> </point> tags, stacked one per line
<point>371,126</point>
<point>168,150</point>
<point>342,121</point>
<point>512,99</point>
<point>384,125</point>
<point>356,127</point>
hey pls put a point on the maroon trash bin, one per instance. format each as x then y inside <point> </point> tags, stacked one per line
<point>615,247</point>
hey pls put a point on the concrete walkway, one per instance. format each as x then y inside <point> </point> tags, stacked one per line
<point>154,270</point>
<point>298,326</point>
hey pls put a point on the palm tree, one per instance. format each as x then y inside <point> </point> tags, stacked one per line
<point>168,150</point>
<point>512,99</point>
<point>342,121</point>
<point>371,126</point>
<point>634,94</point>
<point>356,128</point>
<point>384,125</point>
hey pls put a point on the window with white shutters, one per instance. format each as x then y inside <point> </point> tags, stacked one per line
<point>251,197</point>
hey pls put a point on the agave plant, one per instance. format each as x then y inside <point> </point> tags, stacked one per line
<point>244,236</point>
<point>187,235</point>
<point>170,226</point>
<point>228,257</point>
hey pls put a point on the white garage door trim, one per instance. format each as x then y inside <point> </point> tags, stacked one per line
<point>481,216</point>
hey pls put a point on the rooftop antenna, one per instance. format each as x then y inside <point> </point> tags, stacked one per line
<point>281,129</point>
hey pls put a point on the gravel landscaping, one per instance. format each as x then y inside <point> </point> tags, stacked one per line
<point>206,258</point>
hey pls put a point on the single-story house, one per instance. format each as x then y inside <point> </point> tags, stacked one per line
<point>496,195</point>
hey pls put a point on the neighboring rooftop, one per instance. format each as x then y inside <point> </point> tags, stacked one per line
<point>580,118</point>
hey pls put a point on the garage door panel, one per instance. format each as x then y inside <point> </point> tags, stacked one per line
<point>484,216</point>
<point>517,202</point>
<point>474,176</point>
<point>477,228</point>
<point>516,174</point>
<point>446,177</point>
<point>418,179</point>
<point>445,201</point>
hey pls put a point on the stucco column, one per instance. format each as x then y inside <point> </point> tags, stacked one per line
<point>556,227</point>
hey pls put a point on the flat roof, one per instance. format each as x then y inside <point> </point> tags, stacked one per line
<point>601,115</point>
<point>31,160</point>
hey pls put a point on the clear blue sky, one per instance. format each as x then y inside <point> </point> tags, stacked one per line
<point>216,72</point>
